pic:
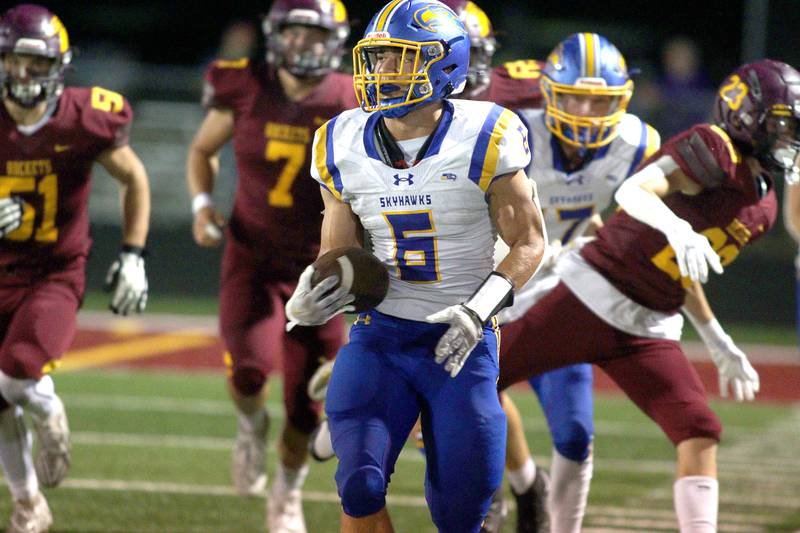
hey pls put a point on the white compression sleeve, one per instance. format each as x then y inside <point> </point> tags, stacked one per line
<point>645,206</point>
<point>15,454</point>
<point>569,492</point>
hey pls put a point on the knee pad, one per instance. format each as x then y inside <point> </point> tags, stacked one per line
<point>363,493</point>
<point>573,441</point>
<point>248,381</point>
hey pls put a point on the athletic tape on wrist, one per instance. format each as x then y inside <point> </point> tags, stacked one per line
<point>495,293</point>
<point>200,201</point>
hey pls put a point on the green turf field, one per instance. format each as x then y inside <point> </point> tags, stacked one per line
<point>203,305</point>
<point>151,454</point>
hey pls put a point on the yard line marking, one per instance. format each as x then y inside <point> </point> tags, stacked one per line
<point>91,438</point>
<point>135,349</point>
<point>275,409</point>
<point>600,519</point>
<point>784,481</point>
<point>666,514</point>
<point>212,490</point>
<point>751,499</point>
<point>157,404</point>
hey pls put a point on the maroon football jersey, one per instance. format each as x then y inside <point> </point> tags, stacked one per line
<point>637,258</point>
<point>278,208</point>
<point>50,171</point>
<point>514,85</point>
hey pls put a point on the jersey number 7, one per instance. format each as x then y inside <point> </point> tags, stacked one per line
<point>295,156</point>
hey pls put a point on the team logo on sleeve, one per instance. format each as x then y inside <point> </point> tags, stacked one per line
<point>448,176</point>
<point>407,180</point>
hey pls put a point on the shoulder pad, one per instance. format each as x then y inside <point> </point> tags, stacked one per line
<point>107,116</point>
<point>701,160</point>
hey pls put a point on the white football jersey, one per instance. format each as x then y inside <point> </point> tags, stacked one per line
<point>428,224</point>
<point>569,199</point>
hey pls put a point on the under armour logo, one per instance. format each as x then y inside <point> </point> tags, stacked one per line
<point>576,179</point>
<point>407,180</point>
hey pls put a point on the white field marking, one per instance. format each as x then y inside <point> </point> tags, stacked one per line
<point>644,524</point>
<point>212,490</point>
<point>669,514</point>
<point>781,479</point>
<point>751,499</point>
<point>275,410</point>
<point>138,440</point>
<point>602,517</point>
<point>779,499</point>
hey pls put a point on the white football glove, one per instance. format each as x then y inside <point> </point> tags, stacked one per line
<point>127,281</point>
<point>693,253</point>
<point>734,370</point>
<point>314,307</point>
<point>10,215</point>
<point>459,340</point>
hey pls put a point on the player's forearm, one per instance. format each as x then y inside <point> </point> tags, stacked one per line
<point>696,305</point>
<point>136,208</point>
<point>522,260</point>
<point>339,225</point>
<point>201,171</point>
<point>791,211</point>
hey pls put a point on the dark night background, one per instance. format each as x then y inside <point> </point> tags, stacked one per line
<point>155,53</point>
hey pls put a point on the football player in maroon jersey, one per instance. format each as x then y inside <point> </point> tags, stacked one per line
<point>51,137</point>
<point>791,218</point>
<point>515,84</point>
<point>694,204</point>
<point>271,107</point>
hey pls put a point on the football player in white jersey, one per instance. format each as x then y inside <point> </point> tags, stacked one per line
<point>583,145</point>
<point>432,181</point>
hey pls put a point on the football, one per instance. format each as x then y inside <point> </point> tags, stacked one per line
<point>358,270</point>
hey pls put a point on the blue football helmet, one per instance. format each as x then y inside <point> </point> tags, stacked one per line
<point>414,52</point>
<point>585,65</point>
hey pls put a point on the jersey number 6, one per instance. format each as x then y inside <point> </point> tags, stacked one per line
<point>416,254</point>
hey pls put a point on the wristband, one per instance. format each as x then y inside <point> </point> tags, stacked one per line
<point>200,201</point>
<point>133,249</point>
<point>495,293</point>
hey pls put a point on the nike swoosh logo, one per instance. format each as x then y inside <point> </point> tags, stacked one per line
<point>62,147</point>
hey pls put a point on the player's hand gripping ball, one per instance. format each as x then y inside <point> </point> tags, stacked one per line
<point>342,280</point>
<point>359,272</point>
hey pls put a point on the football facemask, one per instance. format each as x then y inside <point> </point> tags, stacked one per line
<point>390,73</point>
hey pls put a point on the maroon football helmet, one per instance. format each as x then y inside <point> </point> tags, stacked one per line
<point>31,30</point>
<point>758,105</point>
<point>483,44</point>
<point>314,60</point>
